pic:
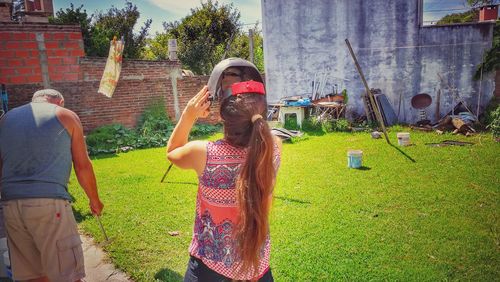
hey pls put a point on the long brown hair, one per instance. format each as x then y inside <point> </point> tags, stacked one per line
<point>255,182</point>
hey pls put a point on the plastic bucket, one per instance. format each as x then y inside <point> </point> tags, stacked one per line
<point>354,158</point>
<point>403,138</point>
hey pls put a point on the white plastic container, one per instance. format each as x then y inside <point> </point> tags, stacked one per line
<point>354,158</point>
<point>403,138</point>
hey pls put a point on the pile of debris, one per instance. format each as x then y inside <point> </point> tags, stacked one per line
<point>462,123</point>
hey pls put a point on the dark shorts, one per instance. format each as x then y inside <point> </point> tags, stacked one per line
<point>198,271</point>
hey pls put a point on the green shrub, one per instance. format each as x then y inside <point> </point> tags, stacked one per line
<point>109,139</point>
<point>494,124</point>
<point>291,122</point>
<point>201,130</point>
<point>154,119</point>
<point>153,130</point>
<point>341,125</point>
<point>312,124</point>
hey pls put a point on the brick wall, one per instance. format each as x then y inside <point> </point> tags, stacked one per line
<point>39,53</point>
<point>36,56</point>
<point>141,83</point>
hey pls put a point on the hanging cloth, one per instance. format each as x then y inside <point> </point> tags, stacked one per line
<point>113,68</point>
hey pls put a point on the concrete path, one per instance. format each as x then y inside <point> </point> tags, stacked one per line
<point>97,265</point>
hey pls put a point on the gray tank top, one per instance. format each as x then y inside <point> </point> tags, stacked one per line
<point>36,153</point>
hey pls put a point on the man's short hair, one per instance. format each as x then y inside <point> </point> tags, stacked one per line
<point>44,94</point>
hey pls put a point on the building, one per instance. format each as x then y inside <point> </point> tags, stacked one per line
<point>400,56</point>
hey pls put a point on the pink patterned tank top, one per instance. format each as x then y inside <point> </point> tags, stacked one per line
<point>217,211</point>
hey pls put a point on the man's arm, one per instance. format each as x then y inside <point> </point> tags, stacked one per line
<point>81,162</point>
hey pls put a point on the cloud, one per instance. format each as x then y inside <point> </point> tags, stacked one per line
<point>249,10</point>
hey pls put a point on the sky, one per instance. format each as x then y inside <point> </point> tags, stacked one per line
<point>250,10</point>
<point>165,10</point>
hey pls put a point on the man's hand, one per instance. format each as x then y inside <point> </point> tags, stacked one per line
<point>198,106</point>
<point>96,207</point>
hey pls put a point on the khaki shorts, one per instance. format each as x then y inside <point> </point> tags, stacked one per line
<point>43,240</point>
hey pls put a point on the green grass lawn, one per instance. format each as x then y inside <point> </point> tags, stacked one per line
<point>434,218</point>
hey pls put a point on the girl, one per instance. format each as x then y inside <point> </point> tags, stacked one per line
<point>236,179</point>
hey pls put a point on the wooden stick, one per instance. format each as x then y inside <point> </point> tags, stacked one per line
<point>369,93</point>
<point>438,105</point>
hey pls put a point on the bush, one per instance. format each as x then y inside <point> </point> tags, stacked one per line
<point>109,139</point>
<point>291,122</point>
<point>153,130</point>
<point>312,124</point>
<point>494,124</point>
<point>341,125</point>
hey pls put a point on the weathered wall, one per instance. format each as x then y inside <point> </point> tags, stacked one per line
<point>396,54</point>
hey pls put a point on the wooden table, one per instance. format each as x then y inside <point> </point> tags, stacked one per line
<point>329,108</point>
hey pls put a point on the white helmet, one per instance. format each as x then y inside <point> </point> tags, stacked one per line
<point>249,72</point>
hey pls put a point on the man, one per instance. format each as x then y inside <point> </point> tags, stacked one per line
<point>38,143</point>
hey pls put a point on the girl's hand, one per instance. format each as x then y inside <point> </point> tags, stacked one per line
<point>198,106</point>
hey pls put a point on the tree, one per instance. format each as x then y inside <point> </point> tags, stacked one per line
<point>465,17</point>
<point>120,23</point>
<point>201,36</point>
<point>479,3</point>
<point>240,47</point>
<point>76,16</point>
<point>99,29</point>
<point>491,61</point>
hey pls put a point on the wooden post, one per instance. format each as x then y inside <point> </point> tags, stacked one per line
<point>250,41</point>
<point>369,93</point>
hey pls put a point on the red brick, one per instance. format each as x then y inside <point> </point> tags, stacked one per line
<point>24,71</point>
<point>74,68</point>
<point>31,36</point>
<point>17,79</point>
<point>34,78</point>
<point>6,71</point>
<point>75,35</point>
<point>19,36</point>
<point>56,76</point>
<point>32,62</point>
<point>71,76</point>
<point>72,44</point>
<point>4,36</point>
<point>7,54</point>
<point>54,61</point>
<point>15,62</point>
<point>59,53</point>
<point>59,36</point>
<point>29,45</point>
<point>70,60</point>
<point>77,53</point>
<point>52,44</point>
<point>13,45</point>
<point>37,70</point>
<point>22,54</point>
<point>34,53</point>
<point>59,69</point>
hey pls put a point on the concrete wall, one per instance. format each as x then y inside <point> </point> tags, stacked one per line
<point>303,40</point>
